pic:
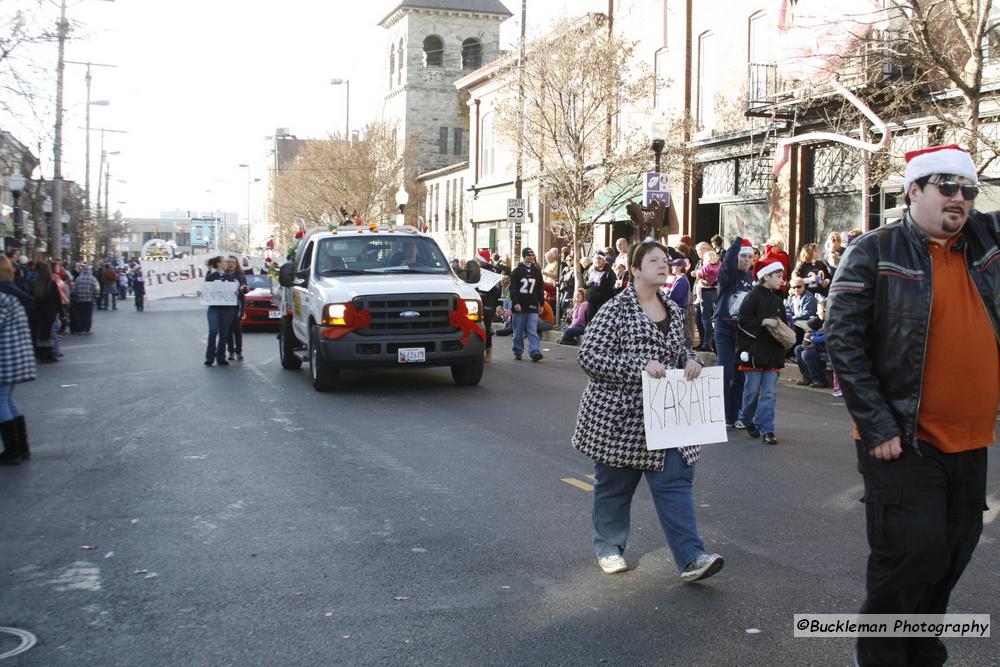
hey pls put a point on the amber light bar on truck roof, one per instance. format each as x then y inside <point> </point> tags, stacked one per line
<point>373,227</point>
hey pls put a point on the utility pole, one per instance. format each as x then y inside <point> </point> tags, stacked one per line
<point>56,251</point>
<point>518,179</point>
<point>84,224</point>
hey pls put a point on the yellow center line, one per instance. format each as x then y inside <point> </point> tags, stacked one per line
<point>577,483</point>
<point>593,477</point>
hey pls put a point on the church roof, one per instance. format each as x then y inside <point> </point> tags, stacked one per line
<point>477,6</point>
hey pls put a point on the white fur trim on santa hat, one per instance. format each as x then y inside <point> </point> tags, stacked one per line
<point>769,268</point>
<point>951,160</point>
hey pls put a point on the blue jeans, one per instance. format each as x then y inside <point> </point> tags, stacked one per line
<point>8,409</point>
<point>570,333</point>
<point>809,364</point>
<point>760,394</point>
<point>672,496</point>
<point>526,323</point>
<point>220,319</point>
<point>707,313</point>
<point>732,381</point>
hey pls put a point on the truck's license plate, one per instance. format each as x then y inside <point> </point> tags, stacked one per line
<point>411,355</point>
<point>274,314</point>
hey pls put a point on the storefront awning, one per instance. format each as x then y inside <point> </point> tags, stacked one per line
<point>614,197</point>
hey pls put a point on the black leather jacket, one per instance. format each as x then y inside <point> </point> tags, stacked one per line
<point>879,314</point>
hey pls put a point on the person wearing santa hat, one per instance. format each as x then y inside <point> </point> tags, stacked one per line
<point>735,282</point>
<point>761,355</point>
<point>912,332</point>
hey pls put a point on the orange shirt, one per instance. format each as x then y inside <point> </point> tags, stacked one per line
<point>958,407</point>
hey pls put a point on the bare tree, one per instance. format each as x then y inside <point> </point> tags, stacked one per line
<point>23,27</point>
<point>333,178</point>
<point>574,84</point>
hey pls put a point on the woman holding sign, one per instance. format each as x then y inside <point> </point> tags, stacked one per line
<point>638,331</point>
<point>220,318</point>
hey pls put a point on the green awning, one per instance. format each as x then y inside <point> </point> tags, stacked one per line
<point>618,194</point>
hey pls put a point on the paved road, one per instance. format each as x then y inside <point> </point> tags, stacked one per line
<point>175,514</point>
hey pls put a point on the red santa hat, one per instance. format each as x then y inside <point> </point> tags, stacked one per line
<point>485,254</point>
<point>769,266</point>
<point>952,160</point>
<point>746,248</point>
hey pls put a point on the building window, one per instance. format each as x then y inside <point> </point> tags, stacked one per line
<point>399,63</point>
<point>486,152</point>
<point>392,65</point>
<point>433,51</point>
<point>447,207</point>
<point>458,145</point>
<point>461,200</point>
<point>472,54</point>
<point>757,56</point>
<point>443,140</point>
<point>707,73</point>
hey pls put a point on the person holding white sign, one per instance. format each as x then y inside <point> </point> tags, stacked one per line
<point>638,331</point>
<point>220,318</point>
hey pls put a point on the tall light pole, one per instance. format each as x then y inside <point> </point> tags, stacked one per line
<point>16,183</point>
<point>347,114</point>
<point>84,220</point>
<point>657,137</point>
<point>47,211</point>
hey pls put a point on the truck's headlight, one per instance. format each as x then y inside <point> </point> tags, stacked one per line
<point>333,314</point>
<point>474,309</point>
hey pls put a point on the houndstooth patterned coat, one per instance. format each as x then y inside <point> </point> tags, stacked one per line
<point>620,341</point>
<point>17,354</point>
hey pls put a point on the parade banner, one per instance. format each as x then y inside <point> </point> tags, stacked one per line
<point>219,293</point>
<point>681,413</point>
<point>175,277</point>
<point>183,277</point>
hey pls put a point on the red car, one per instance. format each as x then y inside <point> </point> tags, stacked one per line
<point>261,310</point>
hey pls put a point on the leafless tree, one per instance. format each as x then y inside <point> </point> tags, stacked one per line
<point>572,108</point>
<point>332,177</point>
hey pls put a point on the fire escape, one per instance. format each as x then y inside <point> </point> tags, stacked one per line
<point>773,112</point>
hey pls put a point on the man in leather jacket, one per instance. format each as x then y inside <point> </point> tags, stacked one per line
<point>912,334</point>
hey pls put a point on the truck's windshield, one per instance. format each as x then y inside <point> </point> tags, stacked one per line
<point>379,254</point>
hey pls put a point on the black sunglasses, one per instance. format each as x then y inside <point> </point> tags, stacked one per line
<point>949,188</point>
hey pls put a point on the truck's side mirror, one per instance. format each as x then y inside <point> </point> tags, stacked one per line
<point>286,274</point>
<point>471,274</point>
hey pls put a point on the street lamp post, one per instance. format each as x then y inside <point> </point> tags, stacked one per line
<point>47,210</point>
<point>347,115</point>
<point>16,184</point>
<point>402,198</point>
<point>657,136</point>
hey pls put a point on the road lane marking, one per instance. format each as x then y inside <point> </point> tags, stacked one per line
<point>572,481</point>
<point>593,477</point>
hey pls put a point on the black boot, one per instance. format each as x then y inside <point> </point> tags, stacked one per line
<point>22,438</point>
<point>10,453</point>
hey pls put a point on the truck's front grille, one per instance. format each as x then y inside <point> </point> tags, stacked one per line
<point>387,313</point>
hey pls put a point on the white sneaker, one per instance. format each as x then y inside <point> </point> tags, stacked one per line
<point>739,424</point>
<point>702,567</point>
<point>612,564</point>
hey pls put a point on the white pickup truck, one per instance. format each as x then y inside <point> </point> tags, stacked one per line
<point>365,297</point>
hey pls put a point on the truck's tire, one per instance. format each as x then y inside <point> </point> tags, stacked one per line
<point>324,377</point>
<point>286,346</point>
<point>468,375</point>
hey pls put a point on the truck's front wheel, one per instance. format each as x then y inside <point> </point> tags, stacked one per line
<point>286,346</point>
<point>468,375</point>
<point>324,377</point>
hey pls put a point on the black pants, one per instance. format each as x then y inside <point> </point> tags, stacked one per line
<point>81,315</point>
<point>924,515</point>
<point>235,337</point>
<point>488,314</point>
<point>139,299</point>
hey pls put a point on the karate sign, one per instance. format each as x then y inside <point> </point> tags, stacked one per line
<point>681,413</point>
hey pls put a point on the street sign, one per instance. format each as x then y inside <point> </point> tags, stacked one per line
<point>515,211</point>
<point>657,186</point>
